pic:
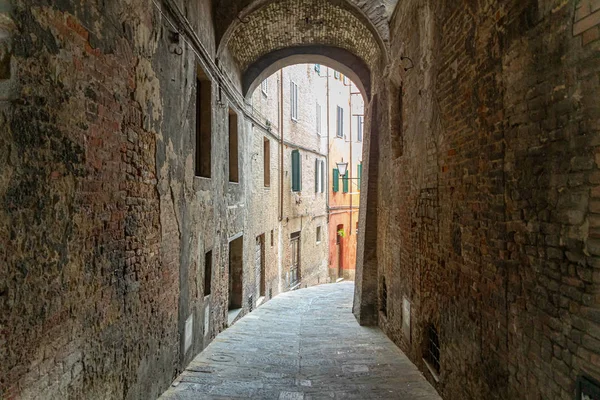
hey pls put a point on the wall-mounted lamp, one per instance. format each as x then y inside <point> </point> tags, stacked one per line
<point>412,64</point>
<point>342,167</point>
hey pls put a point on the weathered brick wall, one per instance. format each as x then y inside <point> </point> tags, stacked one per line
<point>89,296</point>
<point>487,194</point>
<point>104,225</point>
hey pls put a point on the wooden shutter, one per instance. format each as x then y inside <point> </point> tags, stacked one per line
<point>345,183</point>
<point>359,174</point>
<point>336,180</point>
<point>296,175</point>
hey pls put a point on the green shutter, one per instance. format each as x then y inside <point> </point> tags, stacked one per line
<point>359,174</point>
<point>296,175</point>
<point>336,180</point>
<point>345,182</point>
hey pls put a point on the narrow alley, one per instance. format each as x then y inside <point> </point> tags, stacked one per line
<point>304,344</point>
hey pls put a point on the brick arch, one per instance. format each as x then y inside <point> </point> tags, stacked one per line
<point>230,13</point>
<point>267,26</point>
<point>333,57</point>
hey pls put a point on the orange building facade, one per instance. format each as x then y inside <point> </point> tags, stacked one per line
<point>345,132</point>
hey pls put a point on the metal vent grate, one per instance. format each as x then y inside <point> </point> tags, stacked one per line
<point>250,303</point>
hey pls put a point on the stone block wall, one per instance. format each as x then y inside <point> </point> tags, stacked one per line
<point>487,191</point>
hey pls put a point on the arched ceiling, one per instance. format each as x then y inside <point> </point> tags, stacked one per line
<point>290,23</point>
<point>229,12</point>
<point>268,31</point>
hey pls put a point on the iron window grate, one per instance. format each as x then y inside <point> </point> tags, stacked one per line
<point>433,349</point>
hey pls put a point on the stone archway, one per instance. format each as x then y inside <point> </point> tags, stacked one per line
<point>260,37</point>
<point>333,57</point>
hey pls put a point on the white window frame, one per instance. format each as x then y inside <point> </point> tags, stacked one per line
<point>264,87</point>
<point>294,100</point>
<point>319,234</point>
<point>340,122</point>
<point>360,132</point>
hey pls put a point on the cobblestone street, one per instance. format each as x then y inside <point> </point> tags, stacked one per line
<point>304,344</point>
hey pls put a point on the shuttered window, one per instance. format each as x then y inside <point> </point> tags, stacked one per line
<point>360,128</point>
<point>336,180</point>
<point>319,176</point>
<point>296,173</point>
<point>359,175</point>
<point>294,100</point>
<point>345,183</point>
<point>340,122</point>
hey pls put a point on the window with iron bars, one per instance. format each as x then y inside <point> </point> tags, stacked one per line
<point>433,348</point>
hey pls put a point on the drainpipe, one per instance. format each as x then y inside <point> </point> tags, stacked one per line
<point>327,162</point>
<point>350,165</point>
<point>281,145</point>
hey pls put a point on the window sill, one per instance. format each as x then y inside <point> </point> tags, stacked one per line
<point>432,370</point>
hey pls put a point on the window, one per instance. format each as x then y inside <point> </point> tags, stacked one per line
<point>336,180</point>
<point>322,176</point>
<point>432,355</point>
<point>319,176</point>
<point>207,272</point>
<point>359,174</point>
<point>340,122</point>
<point>318,68</point>
<point>294,100</point>
<point>383,297</point>
<point>318,234</point>
<point>264,87</point>
<point>396,120</point>
<point>296,171</point>
<point>318,119</point>
<point>336,74</point>
<point>345,79</point>
<point>359,121</point>
<point>203,125</point>
<point>271,237</point>
<point>267,162</point>
<point>233,147</point>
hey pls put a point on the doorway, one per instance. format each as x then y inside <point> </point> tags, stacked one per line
<point>236,259</point>
<point>340,249</point>
<point>259,262</point>
<point>295,266</point>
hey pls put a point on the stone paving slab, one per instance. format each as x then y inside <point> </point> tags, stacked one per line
<point>302,345</point>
